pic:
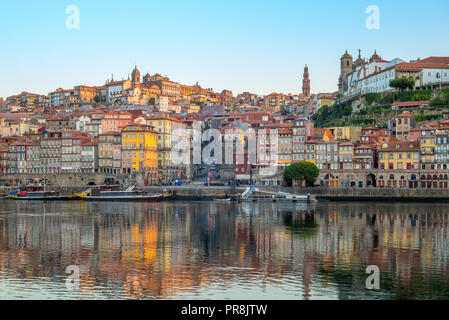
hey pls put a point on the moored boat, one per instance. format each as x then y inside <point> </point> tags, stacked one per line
<point>36,195</point>
<point>126,195</point>
<point>223,200</point>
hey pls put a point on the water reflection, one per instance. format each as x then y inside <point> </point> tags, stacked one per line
<point>207,250</point>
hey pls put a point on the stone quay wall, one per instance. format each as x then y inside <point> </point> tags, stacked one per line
<point>369,194</point>
<point>331,194</point>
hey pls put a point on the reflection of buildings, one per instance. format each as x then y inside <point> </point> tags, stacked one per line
<point>169,250</point>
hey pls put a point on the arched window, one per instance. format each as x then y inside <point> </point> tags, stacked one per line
<point>391,176</point>
<point>413,177</point>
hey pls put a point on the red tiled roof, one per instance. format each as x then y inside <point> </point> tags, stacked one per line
<point>284,131</point>
<point>420,65</point>
<point>411,103</point>
<point>90,143</point>
<point>28,144</point>
<point>405,115</point>
<point>109,133</point>
<point>444,60</point>
<point>401,146</point>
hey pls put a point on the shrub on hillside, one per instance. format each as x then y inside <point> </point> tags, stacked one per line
<point>437,102</point>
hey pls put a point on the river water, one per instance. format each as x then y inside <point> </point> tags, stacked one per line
<point>209,250</point>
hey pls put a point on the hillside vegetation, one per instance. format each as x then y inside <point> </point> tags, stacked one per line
<point>378,109</point>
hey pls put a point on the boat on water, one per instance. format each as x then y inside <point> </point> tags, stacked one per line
<point>223,200</point>
<point>127,195</point>
<point>36,195</point>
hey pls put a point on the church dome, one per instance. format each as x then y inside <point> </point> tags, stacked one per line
<point>359,60</point>
<point>136,73</point>
<point>346,55</point>
<point>375,57</point>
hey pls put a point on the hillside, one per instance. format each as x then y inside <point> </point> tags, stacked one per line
<point>378,109</point>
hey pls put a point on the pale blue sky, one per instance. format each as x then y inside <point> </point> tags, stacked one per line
<point>241,45</point>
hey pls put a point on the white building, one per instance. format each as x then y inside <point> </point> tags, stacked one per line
<point>361,77</point>
<point>163,104</point>
<point>115,89</point>
<point>81,123</point>
<point>89,157</point>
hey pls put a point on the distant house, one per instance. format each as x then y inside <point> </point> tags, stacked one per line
<point>411,104</point>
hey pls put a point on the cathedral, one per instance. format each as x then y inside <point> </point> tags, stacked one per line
<point>348,66</point>
<point>135,78</point>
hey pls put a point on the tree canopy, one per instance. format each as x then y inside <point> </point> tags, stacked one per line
<point>336,111</point>
<point>302,171</point>
<point>402,83</point>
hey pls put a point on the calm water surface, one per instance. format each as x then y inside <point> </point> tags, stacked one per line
<point>207,250</point>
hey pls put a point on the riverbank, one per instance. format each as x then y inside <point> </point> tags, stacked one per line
<point>370,194</point>
<point>331,194</point>
<point>205,193</point>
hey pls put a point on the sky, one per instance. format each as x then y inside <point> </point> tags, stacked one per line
<point>241,45</point>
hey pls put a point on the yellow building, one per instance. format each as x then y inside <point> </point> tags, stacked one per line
<point>274,101</point>
<point>85,94</point>
<point>327,101</point>
<point>346,155</point>
<point>285,146</point>
<point>428,143</point>
<point>187,90</point>
<point>152,91</point>
<point>194,108</point>
<point>352,134</point>
<point>169,130</point>
<point>139,150</point>
<point>399,155</point>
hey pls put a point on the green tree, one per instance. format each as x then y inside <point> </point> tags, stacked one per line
<point>402,83</point>
<point>437,102</point>
<point>302,171</point>
<point>420,117</point>
<point>97,99</point>
<point>347,110</point>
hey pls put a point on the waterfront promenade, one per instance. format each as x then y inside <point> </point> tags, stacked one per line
<point>201,192</point>
<point>332,194</point>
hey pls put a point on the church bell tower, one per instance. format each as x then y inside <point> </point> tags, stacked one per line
<point>306,82</point>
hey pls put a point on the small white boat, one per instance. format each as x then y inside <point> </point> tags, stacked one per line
<point>224,200</point>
